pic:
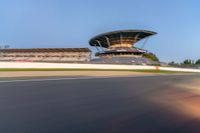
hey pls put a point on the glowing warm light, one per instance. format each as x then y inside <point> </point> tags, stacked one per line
<point>183,99</point>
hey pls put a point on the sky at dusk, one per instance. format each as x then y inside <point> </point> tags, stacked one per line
<point>71,23</point>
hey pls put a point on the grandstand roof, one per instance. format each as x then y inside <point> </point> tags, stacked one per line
<point>126,36</point>
<point>47,50</point>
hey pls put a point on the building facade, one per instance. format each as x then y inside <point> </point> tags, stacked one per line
<point>120,43</point>
<point>46,55</point>
<point>119,47</point>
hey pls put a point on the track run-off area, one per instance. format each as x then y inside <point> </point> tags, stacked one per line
<point>167,103</point>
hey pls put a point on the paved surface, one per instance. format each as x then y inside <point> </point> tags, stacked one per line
<point>7,74</point>
<point>157,104</point>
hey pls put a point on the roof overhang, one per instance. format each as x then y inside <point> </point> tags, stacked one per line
<point>131,36</point>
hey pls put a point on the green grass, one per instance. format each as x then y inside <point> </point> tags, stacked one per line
<point>63,69</point>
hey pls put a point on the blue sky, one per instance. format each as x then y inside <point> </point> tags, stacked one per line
<point>71,23</point>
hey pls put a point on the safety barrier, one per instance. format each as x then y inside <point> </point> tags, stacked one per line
<point>89,66</point>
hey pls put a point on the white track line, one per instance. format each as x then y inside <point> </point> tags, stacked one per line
<point>74,78</point>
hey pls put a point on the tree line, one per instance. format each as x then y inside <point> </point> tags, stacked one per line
<point>186,63</point>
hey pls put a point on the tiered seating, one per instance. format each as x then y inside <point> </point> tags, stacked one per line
<point>46,54</point>
<point>124,60</point>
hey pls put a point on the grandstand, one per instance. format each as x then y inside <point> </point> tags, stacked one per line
<point>119,47</point>
<point>124,60</point>
<point>46,55</point>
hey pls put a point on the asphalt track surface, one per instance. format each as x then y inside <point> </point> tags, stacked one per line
<point>149,104</point>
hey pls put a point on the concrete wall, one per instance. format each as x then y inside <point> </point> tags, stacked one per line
<point>87,66</point>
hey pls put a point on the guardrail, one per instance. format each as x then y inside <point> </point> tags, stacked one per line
<point>89,66</point>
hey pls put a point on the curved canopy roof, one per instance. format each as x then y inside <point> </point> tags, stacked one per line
<point>115,37</point>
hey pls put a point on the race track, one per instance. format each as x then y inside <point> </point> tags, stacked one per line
<point>140,104</point>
